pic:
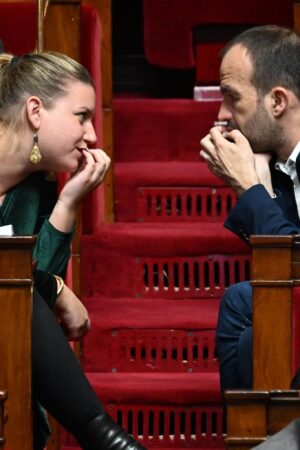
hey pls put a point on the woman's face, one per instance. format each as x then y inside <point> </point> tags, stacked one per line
<point>66,128</point>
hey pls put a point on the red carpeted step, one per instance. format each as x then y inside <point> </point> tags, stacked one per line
<point>154,335</point>
<point>172,191</point>
<point>110,313</point>
<point>152,261</point>
<point>161,388</point>
<point>164,410</point>
<point>160,129</point>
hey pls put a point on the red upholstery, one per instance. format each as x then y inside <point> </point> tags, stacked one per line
<point>169,24</point>
<point>207,67</point>
<point>18,31</point>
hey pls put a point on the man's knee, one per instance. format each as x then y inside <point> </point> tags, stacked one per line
<point>238,297</point>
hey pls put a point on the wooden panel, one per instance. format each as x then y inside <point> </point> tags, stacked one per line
<point>246,418</point>
<point>251,422</point>
<point>275,410</point>
<point>242,443</point>
<point>15,261</point>
<point>272,268</point>
<point>297,16</point>
<point>246,415</point>
<point>15,339</point>
<point>272,337</point>
<point>272,256</point>
<point>276,263</point>
<point>281,412</point>
<point>16,376</point>
<point>62,28</point>
<point>3,396</point>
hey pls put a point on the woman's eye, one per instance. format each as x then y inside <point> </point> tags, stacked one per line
<point>82,116</point>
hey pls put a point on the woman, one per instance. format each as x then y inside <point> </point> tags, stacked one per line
<point>47,102</point>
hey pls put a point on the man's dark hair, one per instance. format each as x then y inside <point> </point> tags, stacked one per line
<point>275,55</point>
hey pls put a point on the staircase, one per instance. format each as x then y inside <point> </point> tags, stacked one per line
<point>152,280</point>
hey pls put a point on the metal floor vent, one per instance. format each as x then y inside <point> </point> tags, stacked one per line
<point>184,204</point>
<point>157,351</point>
<point>176,426</point>
<point>190,277</point>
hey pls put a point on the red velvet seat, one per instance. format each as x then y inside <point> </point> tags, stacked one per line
<point>169,25</point>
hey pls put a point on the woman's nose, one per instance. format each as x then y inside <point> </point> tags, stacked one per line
<point>90,136</point>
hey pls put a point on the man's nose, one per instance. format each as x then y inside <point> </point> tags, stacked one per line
<point>224,113</point>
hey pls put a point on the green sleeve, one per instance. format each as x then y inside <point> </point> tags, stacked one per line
<point>52,250</point>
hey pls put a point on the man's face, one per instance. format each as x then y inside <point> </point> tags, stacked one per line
<point>242,107</point>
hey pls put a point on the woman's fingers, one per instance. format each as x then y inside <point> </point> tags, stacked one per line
<point>98,163</point>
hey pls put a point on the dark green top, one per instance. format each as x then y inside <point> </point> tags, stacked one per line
<point>27,207</point>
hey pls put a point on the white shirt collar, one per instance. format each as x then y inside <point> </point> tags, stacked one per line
<point>290,164</point>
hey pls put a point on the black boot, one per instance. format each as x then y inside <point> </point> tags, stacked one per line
<point>102,433</point>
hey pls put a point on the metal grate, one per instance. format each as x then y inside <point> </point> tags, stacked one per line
<point>162,426</point>
<point>184,204</point>
<point>191,277</point>
<point>156,351</point>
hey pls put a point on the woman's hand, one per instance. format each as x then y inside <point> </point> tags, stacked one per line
<point>90,174</point>
<point>72,315</point>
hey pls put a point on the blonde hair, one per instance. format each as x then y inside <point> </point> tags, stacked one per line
<point>43,74</point>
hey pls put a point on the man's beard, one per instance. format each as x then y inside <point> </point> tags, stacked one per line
<point>263,134</point>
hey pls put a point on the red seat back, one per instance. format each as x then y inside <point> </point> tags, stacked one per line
<point>169,25</point>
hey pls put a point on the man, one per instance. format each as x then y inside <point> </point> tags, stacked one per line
<point>257,154</point>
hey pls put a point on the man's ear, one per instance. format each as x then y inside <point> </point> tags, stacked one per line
<point>279,101</point>
<point>33,109</point>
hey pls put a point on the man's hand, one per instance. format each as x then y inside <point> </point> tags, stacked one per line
<point>262,161</point>
<point>72,315</point>
<point>233,160</point>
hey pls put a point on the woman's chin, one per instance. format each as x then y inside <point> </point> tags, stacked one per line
<point>71,167</point>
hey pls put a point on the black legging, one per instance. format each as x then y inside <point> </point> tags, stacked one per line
<point>58,381</point>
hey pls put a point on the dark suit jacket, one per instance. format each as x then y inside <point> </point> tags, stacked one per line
<point>257,213</point>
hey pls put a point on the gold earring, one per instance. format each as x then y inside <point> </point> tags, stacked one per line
<point>35,155</point>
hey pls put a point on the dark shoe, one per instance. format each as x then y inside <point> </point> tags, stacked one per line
<point>102,433</point>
